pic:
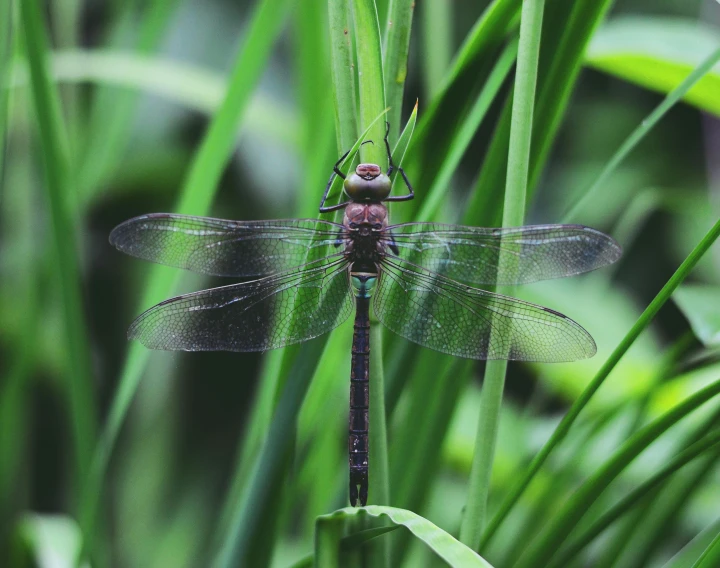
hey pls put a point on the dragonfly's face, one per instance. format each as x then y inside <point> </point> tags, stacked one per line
<point>367,183</point>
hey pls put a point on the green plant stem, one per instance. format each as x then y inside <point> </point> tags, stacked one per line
<point>564,427</point>
<point>641,131</point>
<point>378,424</point>
<point>379,469</point>
<point>343,74</point>
<point>371,84</point>
<point>67,266</point>
<point>436,27</point>
<point>328,531</point>
<point>513,215</point>
<point>6,59</point>
<point>397,45</point>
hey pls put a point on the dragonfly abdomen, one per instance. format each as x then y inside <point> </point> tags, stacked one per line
<point>360,389</point>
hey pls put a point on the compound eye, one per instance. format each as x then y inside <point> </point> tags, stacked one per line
<point>377,226</point>
<point>353,225</point>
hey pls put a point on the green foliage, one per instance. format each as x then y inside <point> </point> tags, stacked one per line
<point>658,53</point>
<point>610,461</point>
<point>454,553</point>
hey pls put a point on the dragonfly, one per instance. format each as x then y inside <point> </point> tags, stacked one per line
<point>311,275</point>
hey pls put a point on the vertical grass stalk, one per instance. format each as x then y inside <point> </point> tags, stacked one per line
<point>513,215</point>
<point>371,85</point>
<point>397,45</point>
<point>343,74</point>
<point>436,46</point>
<point>58,185</point>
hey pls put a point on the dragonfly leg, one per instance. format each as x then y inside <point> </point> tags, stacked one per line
<point>336,172</point>
<point>410,195</point>
<point>393,244</point>
<point>391,169</point>
<point>391,166</point>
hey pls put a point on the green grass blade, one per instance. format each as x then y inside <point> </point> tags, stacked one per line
<point>331,548</point>
<point>513,216</point>
<point>436,386</point>
<point>18,287</point>
<point>641,131</point>
<point>343,74</point>
<point>371,87</point>
<point>485,205</point>
<point>657,52</point>
<point>7,35</point>
<point>252,440</point>
<point>696,547</point>
<point>397,46</point>
<point>573,511</point>
<point>317,138</point>
<point>112,111</point>
<point>564,427</point>
<point>195,198</point>
<point>66,263</point>
<point>489,30</point>
<point>662,513</point>
<point>561,77</point>
<point>379,472</point>
<point>626,504</point>
<point>245,527</point>
<point>436,19</point>
<point>441,543</point>
<point>328,533</point>
<point>197,88</point>
<point>432,203</point>
<point>403,142</point>
<point>378,467</point>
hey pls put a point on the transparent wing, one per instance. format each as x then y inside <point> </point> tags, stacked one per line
<point>253,316</point>
<point>224,248</point>
<point>447,316</point>
<point>472,254</point>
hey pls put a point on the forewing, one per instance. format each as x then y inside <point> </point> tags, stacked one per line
<point>253,316</point>
<point>225,248</point>
<point>535,252</point>
<point>447,316</point>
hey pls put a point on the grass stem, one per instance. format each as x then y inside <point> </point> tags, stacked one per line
<point>513,215</point>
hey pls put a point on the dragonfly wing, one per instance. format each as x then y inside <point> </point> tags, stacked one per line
<point>452,318</point>
<point>253,316</point>
<point>225,248</point>
<point>535,252</point>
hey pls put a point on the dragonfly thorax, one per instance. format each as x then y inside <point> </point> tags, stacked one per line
<point>367,183</point>
<point>365,224</point>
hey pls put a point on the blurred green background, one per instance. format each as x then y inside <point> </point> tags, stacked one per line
<point>136,85</point>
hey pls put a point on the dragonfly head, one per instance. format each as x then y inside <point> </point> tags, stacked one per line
<point>367,183</point>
